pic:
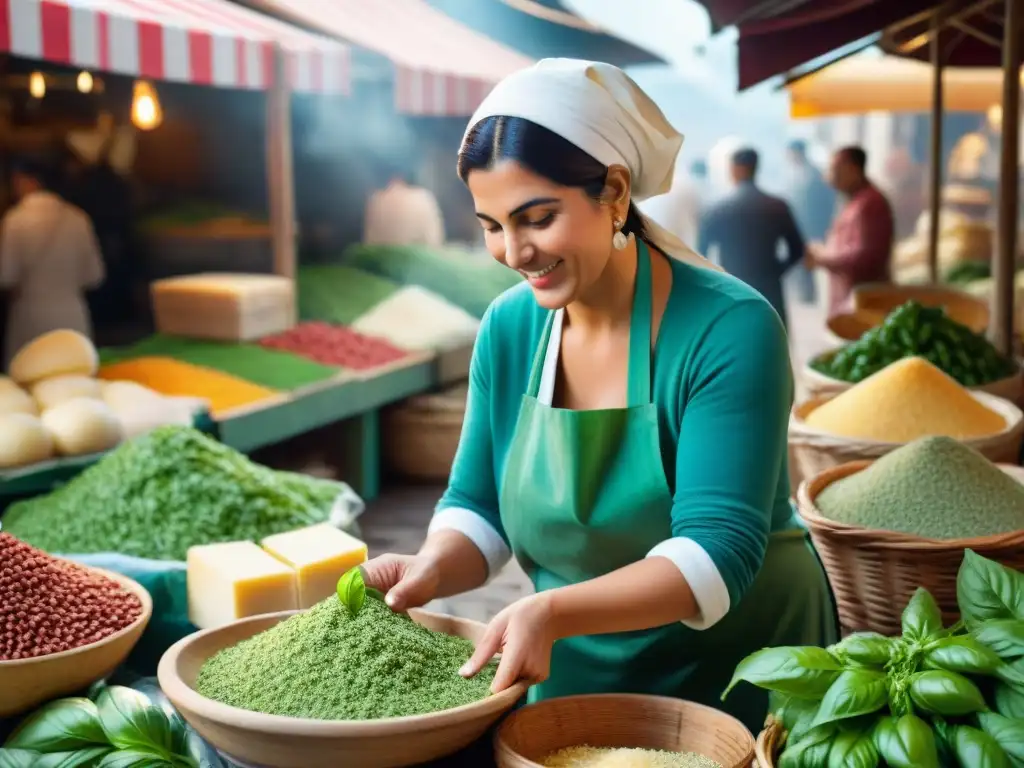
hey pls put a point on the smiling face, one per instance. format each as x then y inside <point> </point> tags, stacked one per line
<point>559,238</point>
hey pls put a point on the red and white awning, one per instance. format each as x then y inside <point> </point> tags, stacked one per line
<point>206,42</point>
<point>442,67</point>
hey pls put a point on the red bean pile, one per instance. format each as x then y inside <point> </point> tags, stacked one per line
<point>335,345</point>
<point>48,605</point>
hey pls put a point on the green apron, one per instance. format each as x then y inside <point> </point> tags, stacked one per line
<point>585,493</point>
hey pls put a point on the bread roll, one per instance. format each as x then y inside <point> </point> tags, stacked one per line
<point>82,425</point>
<point>23,441</point>
<point>54,354</point>
<point>54,391</point>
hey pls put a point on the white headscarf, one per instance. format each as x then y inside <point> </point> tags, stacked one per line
<point>598,108</point>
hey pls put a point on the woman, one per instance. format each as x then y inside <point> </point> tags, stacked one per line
<point>625,434</point>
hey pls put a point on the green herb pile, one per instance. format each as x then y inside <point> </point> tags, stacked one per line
<point>159,494</point>
<point>350,660</point>
<point>271,368</point>
<point>965,272</point>
<point>121,729</point>
<point>931,698</point>
<point>338,294</point>
<point>935,487</point>
<point>912,330</point>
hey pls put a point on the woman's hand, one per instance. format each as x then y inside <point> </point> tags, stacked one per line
<point>523,634</point>
<point>407,581</point>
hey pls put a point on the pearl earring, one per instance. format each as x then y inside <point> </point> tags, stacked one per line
<point>619,240</point>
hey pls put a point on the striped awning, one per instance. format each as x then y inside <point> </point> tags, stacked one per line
<point>442,67</point>
<point>206,42</point>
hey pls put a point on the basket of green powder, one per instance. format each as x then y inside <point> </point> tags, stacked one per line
<point>329,687</point>
<point>885,528</point>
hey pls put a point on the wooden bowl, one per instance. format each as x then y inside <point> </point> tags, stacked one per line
<point>27,683</point>
<point>274,741</point>
<point>621,720</point>
<point>959,305</point>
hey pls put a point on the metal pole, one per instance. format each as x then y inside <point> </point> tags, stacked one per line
<point>1009,179</point>
<point>935,150</point>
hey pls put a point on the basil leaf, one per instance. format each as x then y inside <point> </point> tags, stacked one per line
<point>17,758</point>
<point>133,759</point>
<point>1008,733</point>
<point>853,750</point>
<point>811,751</point>
<point>793,712</point>
<point>855,692</point>
<point>376,594</point>
<point>962,654</point>
<point>132,722</point>
<point>1005,637</point>
<point>987,590</point>
<point>922,617</point>
<point>976,748</point>
<point>83,758</point>
<point>352,590</point>
<point>945,693</point>
<point>943,740</point>
<point>1009,700</point>
<point>906,742</point>
<point>805,672</point>
<point>61,726</point>
<point>866,648</point>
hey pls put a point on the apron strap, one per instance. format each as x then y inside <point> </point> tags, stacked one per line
<point>638,383</point>
<point>539,355</point>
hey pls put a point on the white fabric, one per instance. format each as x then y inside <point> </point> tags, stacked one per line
<point>678,210</point>
<point>598,108</point>
<point>403,215</point>
<point>479,531</point>
<point>48,257</point>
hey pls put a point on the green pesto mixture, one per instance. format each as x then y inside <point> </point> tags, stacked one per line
<point>325,664</point>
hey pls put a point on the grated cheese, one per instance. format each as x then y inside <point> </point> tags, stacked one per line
<point>625,757</point>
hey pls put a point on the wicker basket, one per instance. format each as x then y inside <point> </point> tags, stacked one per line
<point>843,328</point>
<point>874,573</point>
<point>422,434</point>
<point>621,720</point>
<point>769,744</point>
<point>812,452</point>
<point>960,306</point>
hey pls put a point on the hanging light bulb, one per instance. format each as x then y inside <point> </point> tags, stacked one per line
<point>995,117</point>
<point>37,85</point>
<point>84,82</point>
<point>146,111</point>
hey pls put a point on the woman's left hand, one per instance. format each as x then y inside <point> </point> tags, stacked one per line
<point>523,634</point>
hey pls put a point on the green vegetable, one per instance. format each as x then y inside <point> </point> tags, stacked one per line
<point>976,748</point>
<point>1009,699</point>
<point>987,590</point>
<point>131,722</point>
<point>853,749</point>
<point>1005,637</point>
<point>945,693</point>
<point>352,591</point>
<point>868,648</point>
<point>85,758</point>
<point>962,654</point>
<point>811,751</point>
<point>922,617</point>
<point>1007,732</point>
<point>855,692</point>
<point>805,672</point>
<point>17,758</point>
<point>65,725</point>
<point>338,294</point>
<point>906,742</point>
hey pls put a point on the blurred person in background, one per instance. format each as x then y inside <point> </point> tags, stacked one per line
<point>859,245</point>
<point>679,210</point>
<point>906,186</point>
<point>49,257</point>
<point>745,229</point>
<point>403,214</point>
<point>813,202</point>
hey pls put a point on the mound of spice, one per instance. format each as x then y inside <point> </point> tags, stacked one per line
<point>49,605</point>
<point>625,757</point>
<point>935,488</point>
<point>335,345</point>
<point>904,401</point>
<point>326,664</point>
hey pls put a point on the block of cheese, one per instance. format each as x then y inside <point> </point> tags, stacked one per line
<point>224,306</point>
<point>320,555</point>
<point>235,580</point>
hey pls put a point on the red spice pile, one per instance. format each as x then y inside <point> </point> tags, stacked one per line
<point>48,605</point>
<point>335,345</point>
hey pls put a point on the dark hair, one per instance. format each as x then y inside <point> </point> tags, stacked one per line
<point>798,147</point>
<point>35,168</point>
<point>699,169</point>
<point>855,155</point>
<point>541,151</point>
<point>746,158</point>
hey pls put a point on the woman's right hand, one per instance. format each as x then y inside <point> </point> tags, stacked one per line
<point>407,581</point>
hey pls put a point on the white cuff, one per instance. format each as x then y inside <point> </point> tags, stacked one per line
<point>702,575</point>
<point>475,528</point>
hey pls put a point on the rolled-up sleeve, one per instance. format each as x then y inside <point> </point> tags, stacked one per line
<point>729,457</point>
<point>470,503</point>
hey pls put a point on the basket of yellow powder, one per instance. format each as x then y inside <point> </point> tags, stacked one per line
<point>887,527</point>
<point>622,731</point>
<point>904,401</point>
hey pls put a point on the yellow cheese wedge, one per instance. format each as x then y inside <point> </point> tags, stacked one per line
<point>320,555</point>
<point>235,580</point>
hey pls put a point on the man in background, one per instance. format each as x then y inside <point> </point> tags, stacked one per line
<point>403,214</point>
<point>813,203</point>
<point>679,209</point>
<point>859,245</point>
<point>746,229</point>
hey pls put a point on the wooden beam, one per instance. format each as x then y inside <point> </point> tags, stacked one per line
<point>935,148</point>
<point>280,174</point>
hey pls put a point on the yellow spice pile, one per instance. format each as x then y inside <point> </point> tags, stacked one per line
<point>605,757</point>
<point>905,401</point>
